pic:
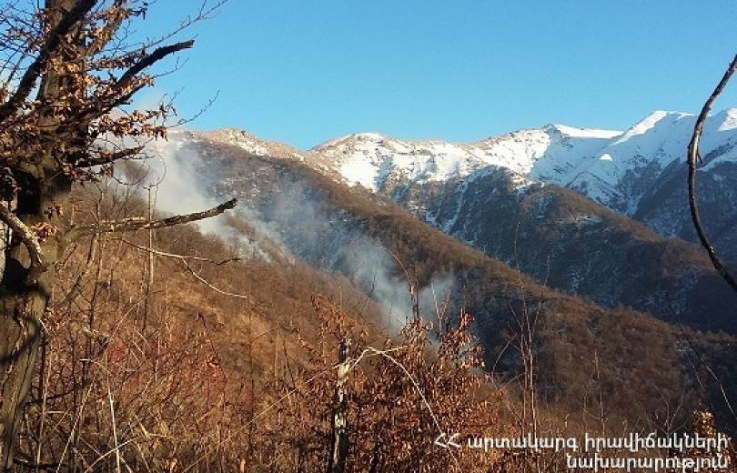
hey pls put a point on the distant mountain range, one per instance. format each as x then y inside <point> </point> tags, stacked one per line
<point>639,172</point>
<point>590,212</point>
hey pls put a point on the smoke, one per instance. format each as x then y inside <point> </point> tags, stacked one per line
<point>304,224</point>
<point>292,217</point>
<point>172,171</point>
<point>374,269</point>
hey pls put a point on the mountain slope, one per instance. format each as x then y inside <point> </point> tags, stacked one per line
<point>576,245</point>
<point>497,196</point>
<point>345,230</point>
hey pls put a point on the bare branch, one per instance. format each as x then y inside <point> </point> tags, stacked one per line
<point>184,260</point>
<point>204,12</point>
<point>151,59</point>
<point>124,84</point>
<point>210,285</point>
<point>34,71</point>
<point>181,257</point>
<point>693,158</point>
<point>110,157</point>
<point>132,224</point>
<point>29,239</point>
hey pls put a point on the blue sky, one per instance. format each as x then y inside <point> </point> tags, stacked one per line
<point>304,71</point>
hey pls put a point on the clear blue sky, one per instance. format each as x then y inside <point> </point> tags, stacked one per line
<point>304,71</point>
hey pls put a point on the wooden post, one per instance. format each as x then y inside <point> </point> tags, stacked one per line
<point>150,272</point>
<point>339,454</point>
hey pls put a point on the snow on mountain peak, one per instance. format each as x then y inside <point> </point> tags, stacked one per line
<point>552,153</point>
<point>727,119</point>
<point>574,132</point>
<point>656,121</point>
<point>369,136</point>
<point>369,158</point>
<point>594,161</point>
<point>350,141</point>
<point>598,163</point>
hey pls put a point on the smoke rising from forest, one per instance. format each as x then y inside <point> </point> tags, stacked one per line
<point>296,222</point>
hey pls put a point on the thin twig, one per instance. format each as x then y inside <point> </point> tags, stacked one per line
<point>183,259</point>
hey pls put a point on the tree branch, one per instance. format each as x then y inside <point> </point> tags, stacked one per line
<point>108,158</point>
<point>184,260</point>
<point>34,71</point>
<point>29,239</point>
<point>151,59</point>
<point>126,79</point>
<point>132,224</point>
<point>109,30</point>
<point>693,158</point>
<point>181,257</point>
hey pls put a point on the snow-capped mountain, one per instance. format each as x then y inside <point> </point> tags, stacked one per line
<point>598,163</point>
<point>639,172</point>
<point>295,216</point>
<point>370,159</point>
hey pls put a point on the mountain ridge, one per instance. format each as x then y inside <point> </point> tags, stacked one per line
<point>639,172</point>
<point>613,168</point>
<point>476,192</point>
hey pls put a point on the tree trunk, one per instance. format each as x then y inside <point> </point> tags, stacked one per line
<point>339,443</point>
<point>23,304</point>
<point>20,326</point>
<point>43,191</point>
<point>59,123</point>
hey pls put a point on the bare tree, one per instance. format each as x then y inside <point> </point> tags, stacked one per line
<point>68,68</point>
<point>694,158</point>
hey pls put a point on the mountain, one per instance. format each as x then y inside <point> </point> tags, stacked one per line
<point>559,203</point>
<point>639,172</point>
<point>359,236</point>
<point>250,143</point>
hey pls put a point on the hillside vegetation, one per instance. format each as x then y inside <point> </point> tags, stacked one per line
<point>571,336</point>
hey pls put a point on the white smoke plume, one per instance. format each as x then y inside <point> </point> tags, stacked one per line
<point>299,226</point>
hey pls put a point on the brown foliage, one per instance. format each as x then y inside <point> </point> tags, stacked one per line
<point>401,397</point>
<point>69,68</point>
<point>216,383</point>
